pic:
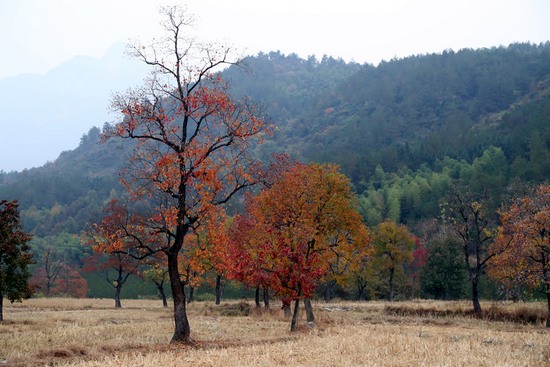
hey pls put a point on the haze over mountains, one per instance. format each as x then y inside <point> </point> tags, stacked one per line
<point>54,110</point>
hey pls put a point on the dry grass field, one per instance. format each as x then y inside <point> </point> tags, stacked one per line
<point>68,332</point>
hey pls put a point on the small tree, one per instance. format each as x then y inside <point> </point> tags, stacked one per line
<point>15,256</point>
<point>118,267</point>
<point>157,272</point>
<point>113,242</point>
<point>71,283</point>
<point>470,222</point>
<point>48,269</point>
<point>443,276</point>
<point>523,244</point>
<point>394,247</point>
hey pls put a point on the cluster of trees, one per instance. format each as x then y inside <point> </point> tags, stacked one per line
<point>404,132</point>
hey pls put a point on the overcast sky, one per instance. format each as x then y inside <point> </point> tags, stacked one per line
<point>37,35</point>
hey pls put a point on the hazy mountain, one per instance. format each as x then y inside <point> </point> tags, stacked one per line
<point>43,115</point>
<point>402,130</point>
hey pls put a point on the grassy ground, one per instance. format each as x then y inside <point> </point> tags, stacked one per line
<point>67,332</point>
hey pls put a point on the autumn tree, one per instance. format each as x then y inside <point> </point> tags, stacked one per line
<point>71,283</point>
<point>48,269</point>
<point>523,243</point>
<point>191,141</point>
<point>157,272</point>
<point>15,256</point>
<point>296,227</point>
<point>244,258</point>
<point>115,242</point>
<point>118,266</point>
<point>470,221</point>
<point>394,246</point>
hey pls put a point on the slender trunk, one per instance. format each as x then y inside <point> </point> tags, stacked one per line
<point>309,312</point>
<point>475,297</point>
<point>361,292</point>
<point>266,298</point>
<point>392,287</point>
<point>191,297</point>
<point>182,332</point>
<point>328,292</point>
<point>162,294</point>
<point>294,322</point>
<point>257,298</point>
<point>547,304</point>
<point>118,288</point>
<point>2,306</point>
<point>286,308</point>
<point>218,289</point>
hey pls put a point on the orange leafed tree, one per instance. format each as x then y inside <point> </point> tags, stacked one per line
<point>191,141</point>
<point>523,243</point>
<point>294,230</point>
<point>394,248</point>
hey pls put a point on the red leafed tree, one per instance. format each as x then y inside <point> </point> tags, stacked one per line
<point>70,283</point>
<point>243,256</point>
<point>420,257</point>
<point>293,230</point>
<point>523,243</point>
<point>191,140</point>
<point>119,242</point>
<point>210,255</point>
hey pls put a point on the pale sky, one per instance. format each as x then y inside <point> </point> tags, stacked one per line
<point>37,35</point>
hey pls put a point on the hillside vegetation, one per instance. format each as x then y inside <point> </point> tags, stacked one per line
<point>403,131</point>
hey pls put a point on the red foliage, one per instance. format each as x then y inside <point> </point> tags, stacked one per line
<point>293,230</point>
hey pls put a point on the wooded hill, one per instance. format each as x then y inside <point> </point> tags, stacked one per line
<point>403,131</point>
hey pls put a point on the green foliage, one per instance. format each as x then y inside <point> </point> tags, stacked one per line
<point>444,275</point>
<point>15,256</point>
<point>402,131</point>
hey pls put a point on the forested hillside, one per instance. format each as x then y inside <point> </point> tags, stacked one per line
<point>403,131</point>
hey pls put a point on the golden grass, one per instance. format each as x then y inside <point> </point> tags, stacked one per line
<point>66,332</point>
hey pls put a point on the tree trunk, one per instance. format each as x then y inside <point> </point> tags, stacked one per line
<point>547,304</point>
<point>294,321</point>
<point>475,297</point>
<point>309,312</point>
<point>361,292</point>
<point>286,308</point>
<point>257,298</point>
<point>266,298</point>
<point>2,306</point>
<point>182,332</point>
<point>162,294</point>
<point>329,291</point>
<point>118,288</point>
<point>218,289</point>
<point>191,297</point>
<point>392,286</point>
